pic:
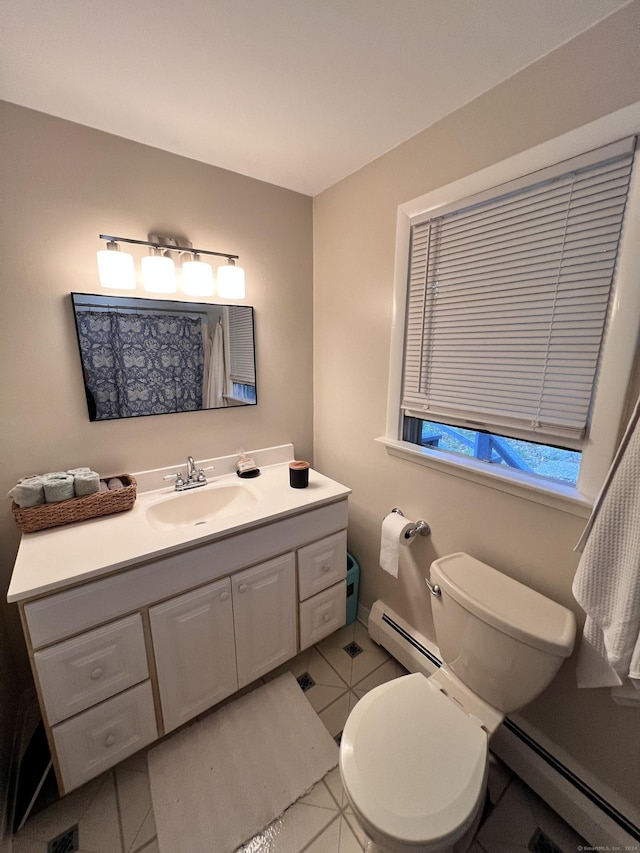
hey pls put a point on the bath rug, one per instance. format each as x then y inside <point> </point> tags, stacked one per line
<point>224,779</point>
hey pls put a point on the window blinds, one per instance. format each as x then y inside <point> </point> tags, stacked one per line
<point>241,351</point>
<point>507,300</point>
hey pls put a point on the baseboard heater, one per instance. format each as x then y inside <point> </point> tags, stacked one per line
<point>567,793</point>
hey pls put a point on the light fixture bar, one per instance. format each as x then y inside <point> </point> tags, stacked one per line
<point>163,246</point>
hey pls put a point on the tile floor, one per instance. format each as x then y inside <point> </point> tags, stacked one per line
<point>114,813</point>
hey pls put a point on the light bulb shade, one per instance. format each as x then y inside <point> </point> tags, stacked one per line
<point>197,278</point>
<point>116,269</point>
<point>231,281</point>
<point>158,274</point>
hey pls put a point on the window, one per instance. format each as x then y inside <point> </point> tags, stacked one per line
<point>543,460</point>
<point>509,295</point>
<point>242,366</point>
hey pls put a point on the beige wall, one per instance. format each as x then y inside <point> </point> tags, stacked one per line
<point>62,186</point>
<point>354,232</point>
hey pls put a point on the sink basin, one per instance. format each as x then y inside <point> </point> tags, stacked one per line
<point>187,509</point>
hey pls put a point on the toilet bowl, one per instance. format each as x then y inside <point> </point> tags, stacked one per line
<point>414,751</point>
<point>414,767</point>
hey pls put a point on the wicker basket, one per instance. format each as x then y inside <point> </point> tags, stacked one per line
<point>33,518</point>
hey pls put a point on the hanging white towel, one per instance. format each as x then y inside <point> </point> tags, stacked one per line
<point>206,366</point>
<point>607,582</point>
<point>217,372</point>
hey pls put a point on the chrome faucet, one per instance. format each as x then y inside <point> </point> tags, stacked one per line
<point>195,476</point>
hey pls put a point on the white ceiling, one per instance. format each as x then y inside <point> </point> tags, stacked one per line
<point>299,93</point>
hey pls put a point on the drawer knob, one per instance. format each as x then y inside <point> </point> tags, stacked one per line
<point>242,587</point>
<point>96,673</point>
<point>326,567</point>
<point>326,617</point>
<point>109,740</point>
<point>224,596</point>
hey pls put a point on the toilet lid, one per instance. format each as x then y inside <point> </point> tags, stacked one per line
<point>412,762</point>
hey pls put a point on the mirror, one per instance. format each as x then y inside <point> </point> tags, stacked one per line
<point>156,356</point>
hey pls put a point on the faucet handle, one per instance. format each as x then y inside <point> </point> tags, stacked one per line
<point>201,476</point>
<point>178,476</point>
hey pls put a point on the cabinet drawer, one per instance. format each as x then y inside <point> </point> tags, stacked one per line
<point>322,564</point>
<point>87,669</point>
<point>98,738</point>
<point>323,614</point>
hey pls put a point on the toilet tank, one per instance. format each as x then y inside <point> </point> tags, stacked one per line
<point>504,640</point>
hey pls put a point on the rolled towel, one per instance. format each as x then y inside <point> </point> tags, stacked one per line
<point>115,483</point>
<point>75,471</point>
<point>86,483</point>
<point>104,486</point>
<point>58,487</point>
<point>29,491</point>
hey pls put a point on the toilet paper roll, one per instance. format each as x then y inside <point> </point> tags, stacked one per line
<point>394,530</point>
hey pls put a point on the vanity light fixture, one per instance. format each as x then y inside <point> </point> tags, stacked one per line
<point>197,277</point>
<point>116,268</point>
<point>231,280</point>
<point>159,272</point>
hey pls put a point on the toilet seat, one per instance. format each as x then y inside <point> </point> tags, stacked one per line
<point>413,765</point>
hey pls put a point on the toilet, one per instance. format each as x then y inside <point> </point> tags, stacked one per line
<point>414,751</point>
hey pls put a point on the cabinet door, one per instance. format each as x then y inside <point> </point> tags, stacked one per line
<point>194,651</point>
<point>264,611</point>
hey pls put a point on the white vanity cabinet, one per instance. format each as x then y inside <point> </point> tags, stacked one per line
<point>121,659</point>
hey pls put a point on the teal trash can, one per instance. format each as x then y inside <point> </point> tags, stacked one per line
<point>353,584</point>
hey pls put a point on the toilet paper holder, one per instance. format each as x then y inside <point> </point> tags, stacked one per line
<point>421,527</point>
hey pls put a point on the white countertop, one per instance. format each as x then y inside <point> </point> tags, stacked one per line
<point>53,559</point>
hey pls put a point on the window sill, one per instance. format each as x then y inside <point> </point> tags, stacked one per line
<point>238,400</point>
<point>556,495</point>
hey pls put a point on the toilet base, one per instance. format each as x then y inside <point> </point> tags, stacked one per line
<point>371,847</point>
<point>461,845</point>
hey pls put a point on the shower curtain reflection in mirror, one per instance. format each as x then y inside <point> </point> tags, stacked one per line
<point>157,361</point>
